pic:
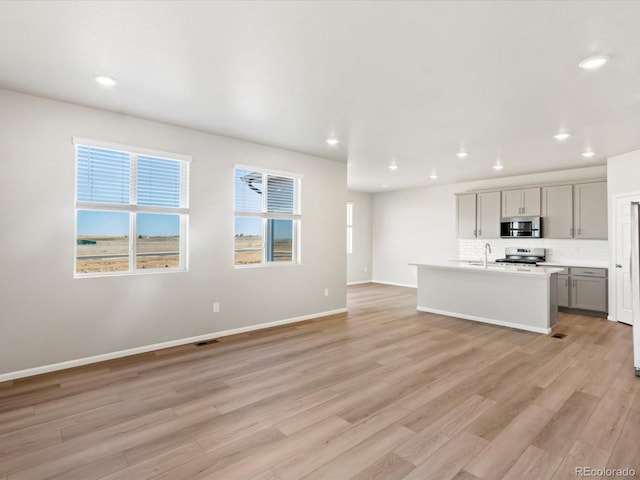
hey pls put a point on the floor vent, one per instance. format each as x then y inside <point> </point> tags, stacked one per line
<point>206,342</point>
<point>559,335</point>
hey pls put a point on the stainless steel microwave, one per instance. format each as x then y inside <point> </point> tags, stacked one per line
<point>521,227</point>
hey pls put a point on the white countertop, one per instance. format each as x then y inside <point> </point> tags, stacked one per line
<point>500,269</point>
<point>552,263</point>
<point>576,263</point>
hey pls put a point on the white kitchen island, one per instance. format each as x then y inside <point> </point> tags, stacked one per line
<point>510,296</point>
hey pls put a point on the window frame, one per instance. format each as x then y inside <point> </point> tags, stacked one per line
<point>132,208</point>
<point>265,216</point>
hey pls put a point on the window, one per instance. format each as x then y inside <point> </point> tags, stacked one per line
<point>267,217</point>
<point>132,210</point>
<point>349,227</point>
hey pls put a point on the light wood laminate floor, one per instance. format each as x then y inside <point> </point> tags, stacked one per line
<point>383,392</point>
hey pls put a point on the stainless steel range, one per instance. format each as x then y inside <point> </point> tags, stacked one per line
<point>523,256</point>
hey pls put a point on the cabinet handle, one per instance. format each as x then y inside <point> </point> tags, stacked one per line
<point>579,231</point>
<point>566,282</point>
<point>618,265</point>
<point>479,233</point>
<point>571,231</point>
<point>474,233</point>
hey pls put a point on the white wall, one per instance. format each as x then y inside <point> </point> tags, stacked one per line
<point>419,224</point>
<point>359,262</point>
<point>47,316</point>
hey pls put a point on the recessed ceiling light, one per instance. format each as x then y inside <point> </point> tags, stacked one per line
<point>461,154</point>
<point>433,176</point>
<point>332,141</point>
<point>588,154</point>
<point>385,186</point>
<point>592,63</point>
<point>106,80</point>
<point>393,166</point>
<point>561,136</point>
<point>497,166</point>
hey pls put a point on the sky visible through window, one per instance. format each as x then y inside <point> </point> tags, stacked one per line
<point>116,224</point>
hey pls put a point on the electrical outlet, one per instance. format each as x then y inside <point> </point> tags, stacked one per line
<point>326,292</point>
<point>216,307</point>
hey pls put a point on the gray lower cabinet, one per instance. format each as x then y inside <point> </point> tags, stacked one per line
<point>563,290</point>
<point>583,288</point>
<point>589,293</point>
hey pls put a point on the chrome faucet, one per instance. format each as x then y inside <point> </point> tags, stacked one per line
<point>487,246</point>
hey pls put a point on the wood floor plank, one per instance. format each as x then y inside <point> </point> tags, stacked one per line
<point>558,392</point>
<point>495,419</point>
<point>157,465</point>
<point>447,461</point>
<point>503,451</point>
<point>358,458</point>
<point>604,426</point>
<point>427,441</point>
<point>626,452</point>
<point>266,457</point>
<point>464,475</point>
<point>581,455</point>
<point>94,470</point>
<point>335,396</point>
<point>534,464</point>
<point>563,428</point>
<point>388,467</point>
<point>315,456</point>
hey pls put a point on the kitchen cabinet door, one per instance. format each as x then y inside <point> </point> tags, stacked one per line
<point>511,203</point>
<point>590,210</point>
<point>530,202</point>
<point>589,293</point>
<point>488,215</point>
<point>563,290</point>
<point>521,203</point>
<point>466,215</point>
<point>557,212</point>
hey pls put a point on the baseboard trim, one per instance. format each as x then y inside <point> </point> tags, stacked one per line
<point>360,282</point>
<point>29,372</point>
<point>395,284</point>
<point>485,320</point>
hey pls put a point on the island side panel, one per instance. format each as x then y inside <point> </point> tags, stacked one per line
<point>518,301</point>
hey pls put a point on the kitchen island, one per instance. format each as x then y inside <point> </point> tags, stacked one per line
<point>510,296</point>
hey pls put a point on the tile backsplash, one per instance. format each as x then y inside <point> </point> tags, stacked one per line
<point>557,250</point>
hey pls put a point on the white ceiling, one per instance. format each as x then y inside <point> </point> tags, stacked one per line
<point>395,81</point>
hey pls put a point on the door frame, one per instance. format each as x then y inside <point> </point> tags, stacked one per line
<point>613,250</point>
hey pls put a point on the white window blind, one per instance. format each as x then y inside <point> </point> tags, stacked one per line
<point>103,176</point>
<point>158,182</point>
<point>280,194</point>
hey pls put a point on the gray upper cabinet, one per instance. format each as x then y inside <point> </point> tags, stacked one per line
<point>466,215</point>
<point>557,211</point>
<point>590,210</point>
<point>488,215</point>
<point>517,203</point>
